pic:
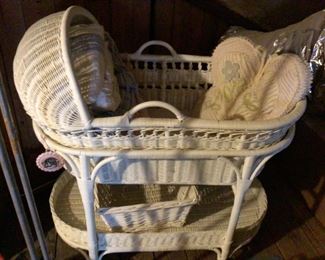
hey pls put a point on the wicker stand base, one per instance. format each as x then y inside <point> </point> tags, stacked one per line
<point>204,229</point>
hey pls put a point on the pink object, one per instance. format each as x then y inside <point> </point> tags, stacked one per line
<point>49,161</point>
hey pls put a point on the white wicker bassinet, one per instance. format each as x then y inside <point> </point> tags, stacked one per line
<point>178,80</point>
<point>159,148</point>
<point>49,91</point>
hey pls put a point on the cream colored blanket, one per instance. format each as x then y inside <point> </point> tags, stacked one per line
<point>250,85</point>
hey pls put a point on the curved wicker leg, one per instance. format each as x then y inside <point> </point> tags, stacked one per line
<point>218,252</point>
<point>103,254</point>
<point>86,189</point>
<point>234,187</point>
<point>241,187</point>
<point>83,253</point>
<point>233,221</point>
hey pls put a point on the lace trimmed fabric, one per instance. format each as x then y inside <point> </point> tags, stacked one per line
<point>305,38</point>
<point>235,63</point>
<point>280,84</point>
<point>250,85</point>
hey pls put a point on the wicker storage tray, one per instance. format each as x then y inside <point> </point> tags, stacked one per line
<point>134,208</point>
<point>205,226</point>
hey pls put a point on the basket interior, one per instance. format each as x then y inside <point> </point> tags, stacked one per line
<point>108,196</point>
<point>178,82</point>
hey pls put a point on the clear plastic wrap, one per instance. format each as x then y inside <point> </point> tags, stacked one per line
<point>305,38</point>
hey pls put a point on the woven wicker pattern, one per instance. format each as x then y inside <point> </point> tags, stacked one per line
<point>179,83</point>
<point>169,138</point>
<point>173,80</point>
<point>41,78</point>
<point>204,228</point>
<point>133,208</point>
<point>61,65</point>
<point>46,83</point>
<point>219,171</point>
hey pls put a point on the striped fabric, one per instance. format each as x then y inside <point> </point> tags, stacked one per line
<point>235,62</point>
<point>249,85</point>
<point>283,81</point>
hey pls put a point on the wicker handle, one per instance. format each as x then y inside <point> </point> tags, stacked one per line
<point>153,43</point>
<point>160,104</point>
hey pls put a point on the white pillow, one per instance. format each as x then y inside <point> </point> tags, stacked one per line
<point>284,80</point>
<point>94,67</point>
<point>250,85</point>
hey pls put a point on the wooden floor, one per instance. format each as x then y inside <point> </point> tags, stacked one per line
<point>289,230</point>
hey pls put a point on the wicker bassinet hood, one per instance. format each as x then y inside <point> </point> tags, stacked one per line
<point>43,72</point>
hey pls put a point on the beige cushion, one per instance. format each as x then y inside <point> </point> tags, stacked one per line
<point>235,63</point>
<point>250,85</point>
<point>283,81</point>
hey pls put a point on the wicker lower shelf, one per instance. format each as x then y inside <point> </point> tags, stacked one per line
<point>205,226</point>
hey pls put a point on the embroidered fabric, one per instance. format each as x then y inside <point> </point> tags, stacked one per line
<point>251,85</point>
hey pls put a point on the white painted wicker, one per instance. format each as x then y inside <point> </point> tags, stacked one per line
<point>225,218</point>
<point>205,226</point>
<point>156,149</point>
<point>52,92</point>
<point>44,75</point>
<point>161,171</point>
<point>49,90</point>
<point>135,208</point>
